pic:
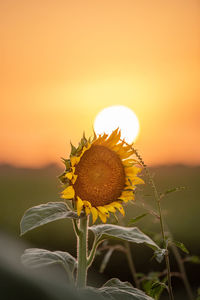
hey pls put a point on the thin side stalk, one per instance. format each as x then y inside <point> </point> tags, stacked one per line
<point>131,264</point>
<point>82,253</point>
<point>157,199</point>
<point>183,272</point>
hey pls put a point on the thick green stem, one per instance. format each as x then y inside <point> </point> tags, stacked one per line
<point>82,253</point>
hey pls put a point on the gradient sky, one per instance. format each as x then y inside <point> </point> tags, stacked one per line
<point>64,61</point>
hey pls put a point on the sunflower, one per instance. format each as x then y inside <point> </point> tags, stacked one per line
<point>101,175</point>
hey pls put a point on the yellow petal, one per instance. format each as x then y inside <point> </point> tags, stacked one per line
<point>119,207</point>
<point>101,139</point>
<point>79,205</point>
<point>87,203</point>
<point>74,160</point>
<point>102,217</point>
<point>110,208</point>
<point>127,196</point>
<point>130,187</point>
<point>130,162</point>
<point>94,214</point>
<point>74,178</point>
<point>123,154</point>
<point>113,139</point>
<point>132,171</point>
<point>87,210</point>
<point>103,210</point>
<point>138,180</point>
<point>69,175</point>
<point>68,193</point>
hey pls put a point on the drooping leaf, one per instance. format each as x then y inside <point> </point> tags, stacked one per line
<point>36,258</point>
<point>115,289</point>
<point>43,214</point>
<point>136,219</point>
<point>181,246</point>
<point>130,234</point>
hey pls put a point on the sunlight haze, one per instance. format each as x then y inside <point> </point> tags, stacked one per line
<point>62,62</point>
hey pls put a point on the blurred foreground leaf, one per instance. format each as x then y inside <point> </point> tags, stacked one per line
<point>115,289</point>
<point>43,214</point>
<point>36,258</point>
<point>130,234</point>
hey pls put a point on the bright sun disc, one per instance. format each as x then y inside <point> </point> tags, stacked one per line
<point>120,116</point>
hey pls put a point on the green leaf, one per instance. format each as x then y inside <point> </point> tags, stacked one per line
<point>45,213</point>
<point>176,189</point>
<point>114,289</point>
<point>36,258</point>
<point>136,219</point>
<point>193,259</point>
<point>156,289</point>
<point>130,234</point>
<point>181,246</point>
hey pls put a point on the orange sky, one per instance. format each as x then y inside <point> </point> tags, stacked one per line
<point>64,61</point>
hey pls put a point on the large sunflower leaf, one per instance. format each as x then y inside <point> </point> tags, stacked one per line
<point>45,213</point>
<point>114,289</point>
<point>36,258</point>
<point>130,234</point>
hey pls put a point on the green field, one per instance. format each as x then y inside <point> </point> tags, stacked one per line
<point>24,188</point>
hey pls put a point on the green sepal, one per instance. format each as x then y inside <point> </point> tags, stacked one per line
<point>73,150</point>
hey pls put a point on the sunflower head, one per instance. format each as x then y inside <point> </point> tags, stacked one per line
<point>100,175</point>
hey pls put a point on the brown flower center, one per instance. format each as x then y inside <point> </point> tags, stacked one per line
<point>101,176</point>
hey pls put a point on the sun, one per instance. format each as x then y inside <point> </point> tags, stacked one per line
<point>112,117</point>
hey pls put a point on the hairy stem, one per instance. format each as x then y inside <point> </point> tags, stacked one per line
<point>82,253</point>
<point>157,199</point>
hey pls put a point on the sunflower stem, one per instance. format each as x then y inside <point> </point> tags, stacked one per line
<point>82,252</point>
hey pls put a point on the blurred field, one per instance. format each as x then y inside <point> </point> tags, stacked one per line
<point>24,188</point>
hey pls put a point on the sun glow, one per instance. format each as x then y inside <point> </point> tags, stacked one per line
<point>120,116</point>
